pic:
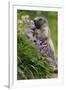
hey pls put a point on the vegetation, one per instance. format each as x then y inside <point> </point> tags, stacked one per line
<point>30,63</point>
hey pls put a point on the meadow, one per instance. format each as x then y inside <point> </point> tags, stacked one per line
<point>30,63</point>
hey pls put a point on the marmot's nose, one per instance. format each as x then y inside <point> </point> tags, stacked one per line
<point>34,21</point>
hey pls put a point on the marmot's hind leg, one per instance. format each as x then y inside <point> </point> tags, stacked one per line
<point>52,59</point>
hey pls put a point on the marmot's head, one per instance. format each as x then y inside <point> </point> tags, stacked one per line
<point>40,21</point>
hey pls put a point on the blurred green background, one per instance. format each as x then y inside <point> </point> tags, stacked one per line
<point>31,65</point>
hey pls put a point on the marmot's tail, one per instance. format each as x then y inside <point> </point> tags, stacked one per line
<point>56,62</point>
<point>56,66</point>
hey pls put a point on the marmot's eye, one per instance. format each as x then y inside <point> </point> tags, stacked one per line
<point>40,19</point>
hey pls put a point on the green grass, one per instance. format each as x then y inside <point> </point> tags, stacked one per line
<point>52,19</point>
<point>30,63</point>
